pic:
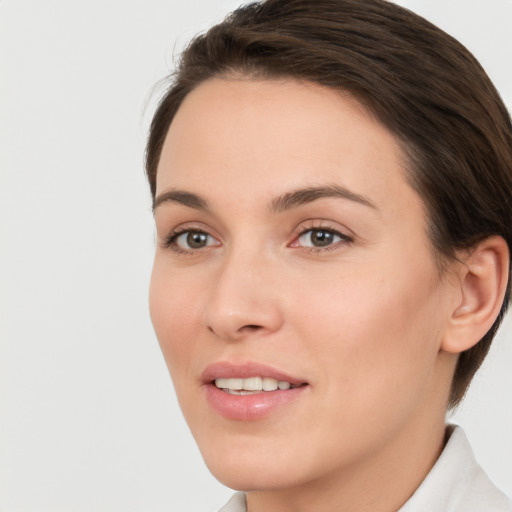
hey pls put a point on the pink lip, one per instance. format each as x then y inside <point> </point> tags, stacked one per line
<point>248,407</point>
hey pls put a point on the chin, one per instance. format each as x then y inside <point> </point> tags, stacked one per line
<point>249,463</point>
<point>250,476</point>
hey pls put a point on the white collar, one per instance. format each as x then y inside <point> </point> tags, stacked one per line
<point>457,482</point>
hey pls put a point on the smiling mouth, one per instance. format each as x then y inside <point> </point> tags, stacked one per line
<point>253,385</point>
<point>251,391</point>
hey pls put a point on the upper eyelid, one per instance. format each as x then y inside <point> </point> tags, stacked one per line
<point>183,227</point>
<point>323,224</point>
<point>176,232</point>
<point>344,237</point>
<point>330,230</point>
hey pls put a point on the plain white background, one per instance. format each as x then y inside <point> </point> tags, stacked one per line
<point>88,419</point>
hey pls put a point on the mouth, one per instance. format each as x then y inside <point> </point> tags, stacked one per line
<point>253,385</point>
<point>250,391</point>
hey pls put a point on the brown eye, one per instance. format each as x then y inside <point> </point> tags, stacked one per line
<point>191,240</point>
<point>319,238</point>
<point>196,240</point>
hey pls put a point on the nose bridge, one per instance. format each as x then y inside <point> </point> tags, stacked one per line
<point>243,299</point>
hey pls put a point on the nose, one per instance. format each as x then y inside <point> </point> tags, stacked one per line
<point>244,299</point>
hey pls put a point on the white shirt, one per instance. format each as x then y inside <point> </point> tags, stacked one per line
<point>456,483</point>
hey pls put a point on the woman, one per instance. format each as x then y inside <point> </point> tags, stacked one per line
<point>331,184</point>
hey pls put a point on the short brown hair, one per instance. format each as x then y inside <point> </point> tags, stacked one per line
<point>421,83</point>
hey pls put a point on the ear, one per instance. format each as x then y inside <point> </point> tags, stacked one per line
<point>482,277</point>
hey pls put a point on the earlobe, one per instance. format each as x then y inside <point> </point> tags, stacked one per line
<point>483,277</point>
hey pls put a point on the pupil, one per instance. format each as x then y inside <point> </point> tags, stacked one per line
<point>321,238</point>
<point>196,240</point>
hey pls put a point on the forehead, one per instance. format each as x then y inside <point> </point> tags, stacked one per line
<point>267,137</point>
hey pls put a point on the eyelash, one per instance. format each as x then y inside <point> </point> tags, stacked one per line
<point>310,227</point>
<point>170,241</point>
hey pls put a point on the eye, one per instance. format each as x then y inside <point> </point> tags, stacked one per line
<point>318,238</point>
<point>190,240</point>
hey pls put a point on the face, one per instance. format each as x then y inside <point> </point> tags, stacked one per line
<point>294,292</point>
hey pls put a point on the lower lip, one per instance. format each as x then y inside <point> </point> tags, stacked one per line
<point>250,407</point>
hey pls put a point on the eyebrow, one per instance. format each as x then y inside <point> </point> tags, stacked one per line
<point>303,196</point>
<point>285,202</point>
<point>181,197</point>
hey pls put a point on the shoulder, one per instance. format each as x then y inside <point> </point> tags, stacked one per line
<point>457,483</point>
<point>482,494</point>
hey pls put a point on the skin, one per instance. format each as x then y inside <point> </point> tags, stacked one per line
<point>362,320</point>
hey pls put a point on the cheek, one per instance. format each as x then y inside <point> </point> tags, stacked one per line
<point>378,333</point>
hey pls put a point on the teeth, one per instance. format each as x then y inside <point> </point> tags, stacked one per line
<point>269,384</point>
<point>229,383</point>
<point>252,384</point>
<point>245,386</point>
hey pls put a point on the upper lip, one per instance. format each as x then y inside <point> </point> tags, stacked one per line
<point>226,370</point>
